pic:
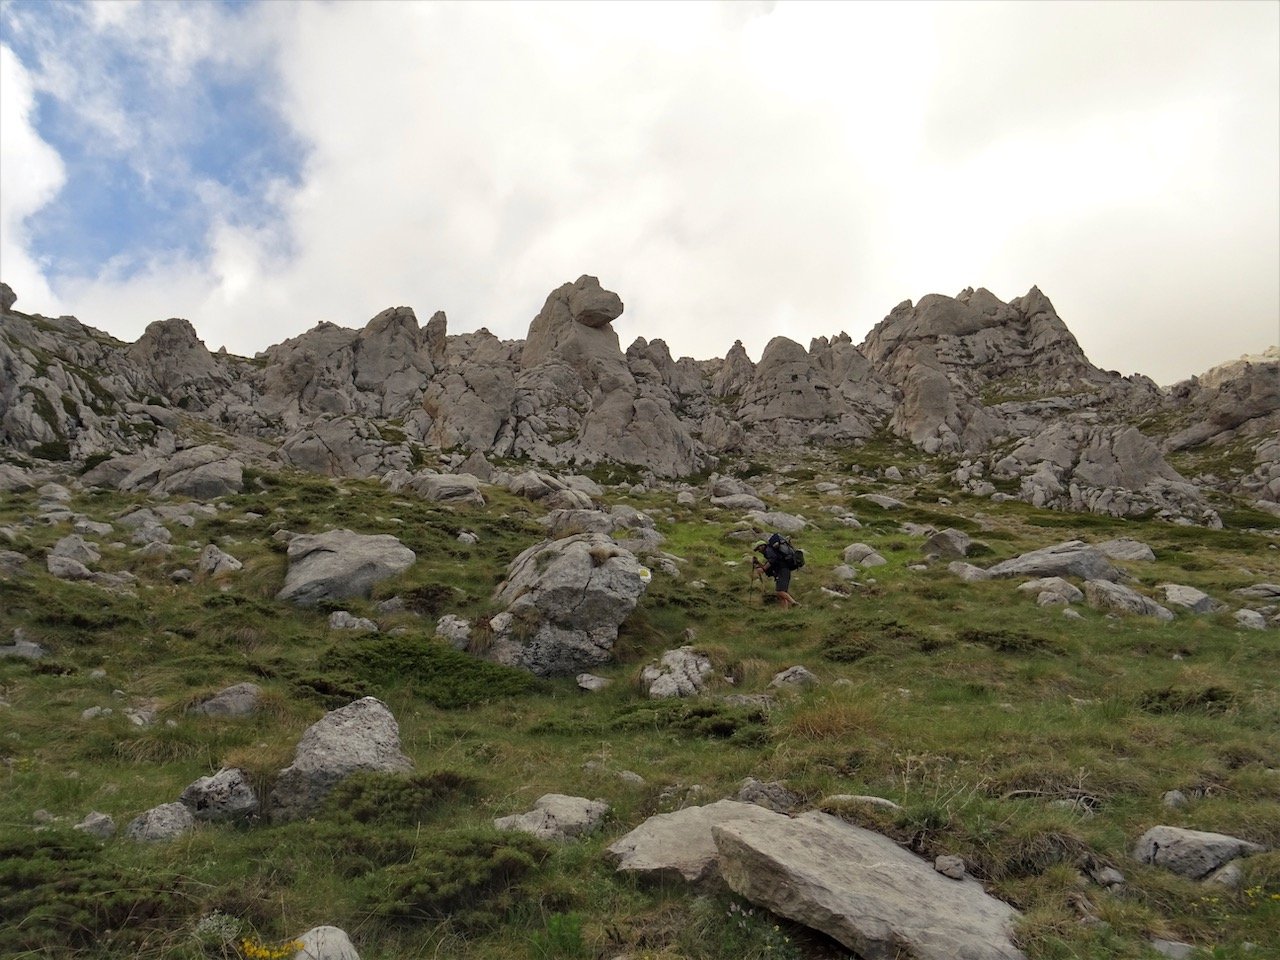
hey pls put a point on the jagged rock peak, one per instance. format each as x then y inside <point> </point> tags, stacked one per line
<point>7,298</point>
<point>574,325</point>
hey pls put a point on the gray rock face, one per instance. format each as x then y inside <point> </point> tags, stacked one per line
<point>165,822</point>
<point>227,795</point>
<point>239,700</point>
<point>1190,853</point>
<point>861,889</point>
<point>564,601</point>
<point>1071,559</point>
<point>557,817</point>
<point>1104,595</point>
<point>362,736</point>
<point>679,845</point>
<point>340,564</point>
<point>7,298</point>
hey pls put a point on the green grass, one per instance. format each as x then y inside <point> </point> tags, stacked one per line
<point>967,704</point>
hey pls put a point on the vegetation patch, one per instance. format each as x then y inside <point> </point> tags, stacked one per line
<point>742,726</point>
<point>472,877</point>
<point>435,672</point>
<point>387,799</point>
<point>60,893</point>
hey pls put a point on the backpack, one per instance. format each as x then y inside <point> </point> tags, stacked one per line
<point>790,557</point>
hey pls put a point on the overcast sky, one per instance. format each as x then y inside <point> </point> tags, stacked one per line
<point>733,170</point>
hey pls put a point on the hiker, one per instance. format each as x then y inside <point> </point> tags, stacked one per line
<point>779,560</point>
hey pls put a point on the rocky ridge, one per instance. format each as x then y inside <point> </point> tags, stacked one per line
<point>1000,393</point>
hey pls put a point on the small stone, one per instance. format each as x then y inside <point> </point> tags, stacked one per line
<point>1174,799</point>
<point>950,866</point>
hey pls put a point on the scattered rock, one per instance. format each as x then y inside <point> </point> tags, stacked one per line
<point>227,795</point>
<point>97,824</point>
<point>591,683</point>
<point>1073,558</point>
<point>1251,620</point>
<point>557,817</point>
<point>215,563</point>
<point>797,677</point>
<point>1126,549</point>
<point>680,673</point>
<point>344,620</point>
<point>239,700</point>
<point>325,943</point>
<point>773,795</point>
<point>1104,595</point>
<point>1190,853</point>
<point>950,866</point>
<point>165,822</point>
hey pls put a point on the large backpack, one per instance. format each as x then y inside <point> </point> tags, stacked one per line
<point>791,558</point>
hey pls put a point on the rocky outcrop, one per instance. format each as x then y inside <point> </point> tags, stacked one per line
<point>557,817</point>
<point>954,375</point>
<point>672,846</point>
<point>1191,853</point>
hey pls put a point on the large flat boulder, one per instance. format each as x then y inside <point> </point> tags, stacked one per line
<point>679,845</point>
<point>339,563</point>
<point>862,889</point>
<point>1118,598</point>
<point>1075,558</point>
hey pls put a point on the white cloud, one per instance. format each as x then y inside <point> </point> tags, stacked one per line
<point>31,174</point>
<point>738,171</point>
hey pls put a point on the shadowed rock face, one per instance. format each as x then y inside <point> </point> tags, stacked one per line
<point>964,376</point>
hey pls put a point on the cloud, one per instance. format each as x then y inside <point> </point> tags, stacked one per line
<point>31,174</point>
<point>734,171</point>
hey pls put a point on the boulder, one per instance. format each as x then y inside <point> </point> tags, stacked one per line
<point>215,563</point>
<point>557,817</point>
<point>1073,558</point>
<point>325,943</point>
<point>165,822</point>
<point>679,673</point>
<point>1104,595</point>
<point>344,620</point>
<point>862,889</point>
<point>74,547</point>
<point>563,603</point>
<point>239,700</point>
<point>461,489</point>
<point>362,736</point>
<point>97,824</point>
<point>1052,590</point>
<point>1190,853</point>
<point>1189,598</point>
<point>797,677</point>
<point>227,795</point>
<point>1250,620</point>
<point>679,845</point>
<point>1125,549</point>
<point>340,564</point>
<point>948,544</point>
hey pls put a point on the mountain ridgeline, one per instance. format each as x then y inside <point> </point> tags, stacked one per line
<point>1000,393</point>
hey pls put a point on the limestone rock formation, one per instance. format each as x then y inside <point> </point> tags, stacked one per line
<point>679,845</point>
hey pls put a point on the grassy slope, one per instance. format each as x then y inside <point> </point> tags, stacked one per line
<point>966,703</point>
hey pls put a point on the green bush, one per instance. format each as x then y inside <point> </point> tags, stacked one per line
<point>59,892</point>
<point>438,674</point>
<point>473,877</point>
<point>390,799</point>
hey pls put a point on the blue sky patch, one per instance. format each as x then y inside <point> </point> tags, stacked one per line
<point>151,162</point>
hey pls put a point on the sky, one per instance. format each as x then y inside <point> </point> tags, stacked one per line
<point>733,170</point>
